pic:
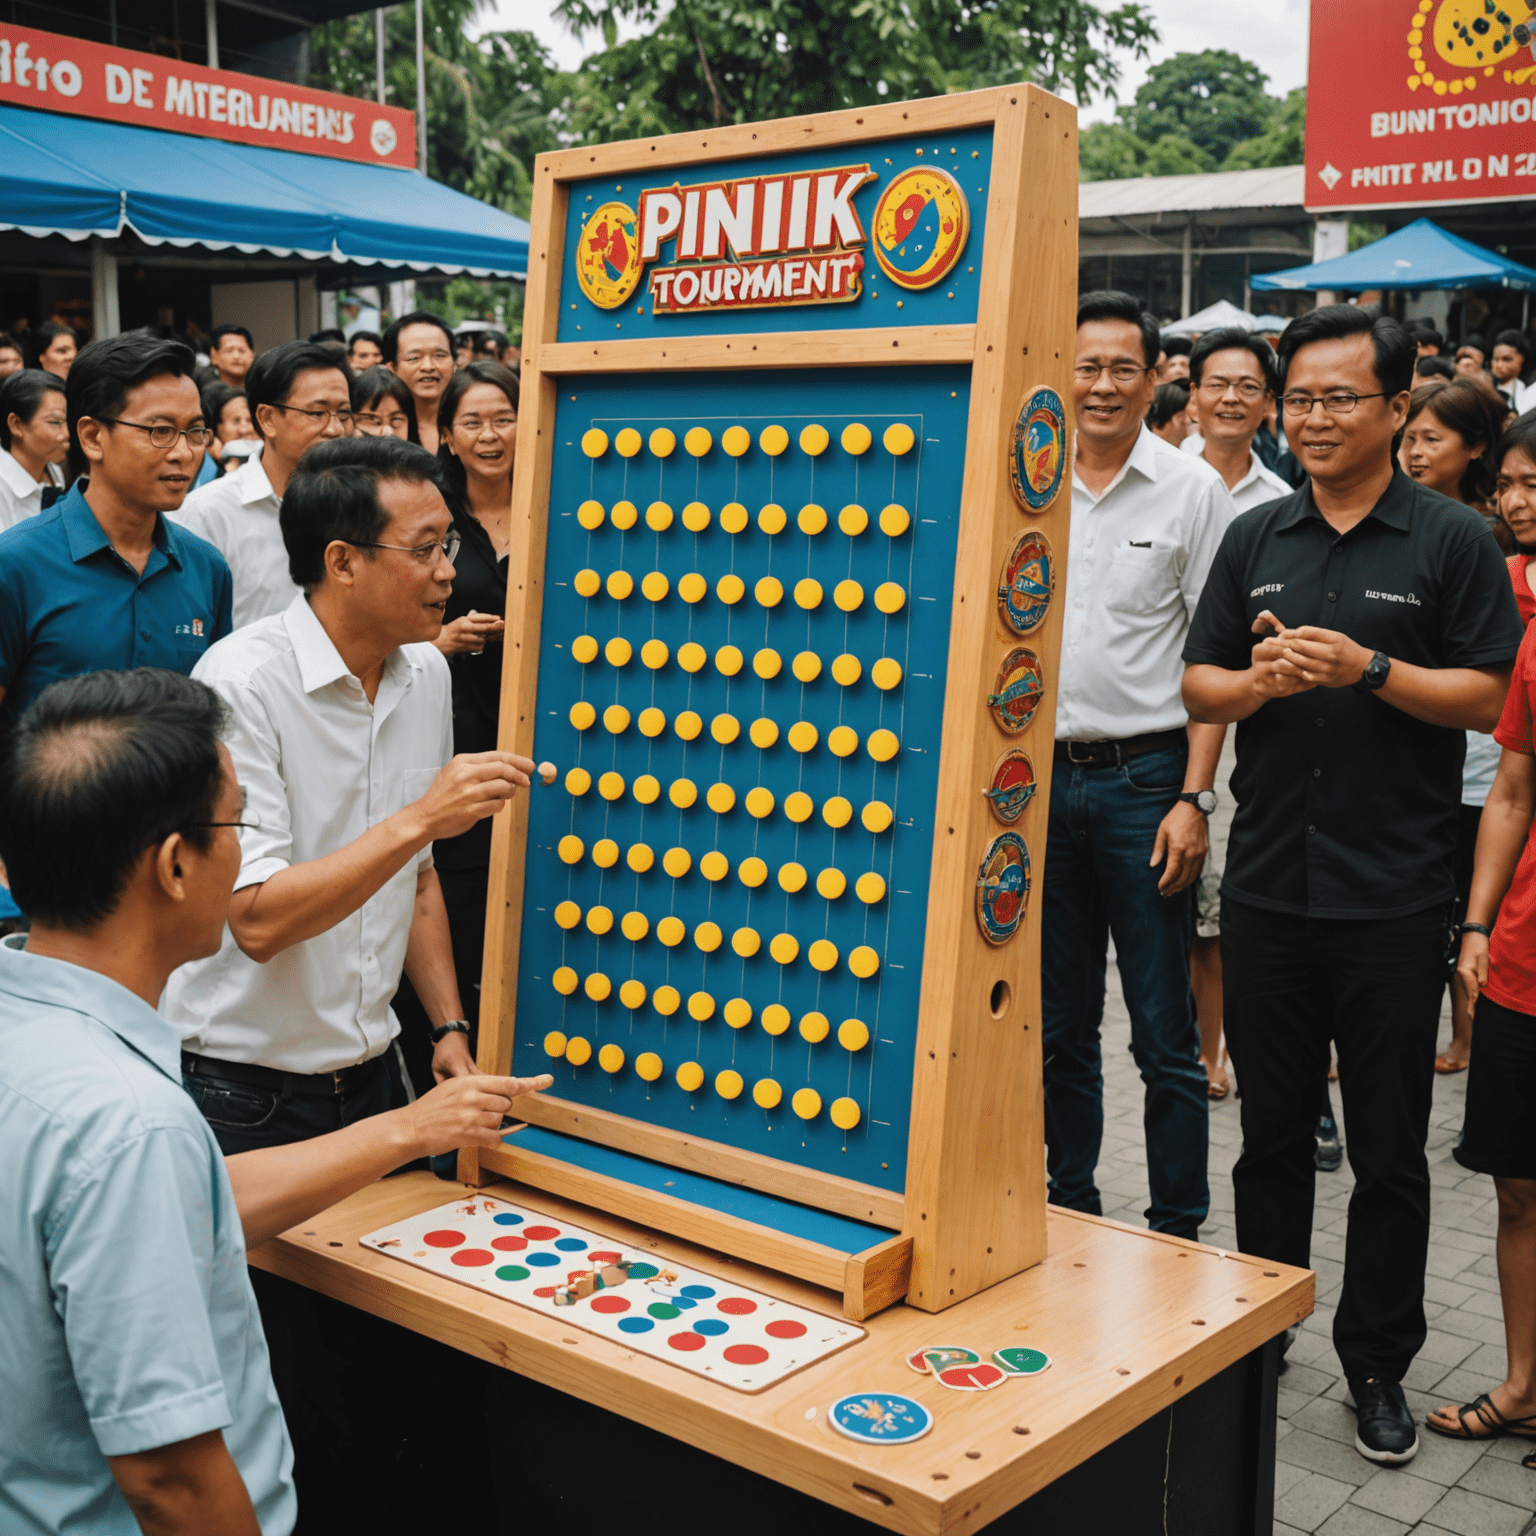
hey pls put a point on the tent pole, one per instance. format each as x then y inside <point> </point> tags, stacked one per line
<point>1525,309</point>
<point>211,22</point>
<point>378,53</point>
<point>1186,272</point>
<point>105,316</point>
<point>421,91</point>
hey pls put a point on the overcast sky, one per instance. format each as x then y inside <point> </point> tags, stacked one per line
<point>1271,33</point>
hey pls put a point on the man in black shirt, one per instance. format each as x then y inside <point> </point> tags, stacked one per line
<point>1355,630</point>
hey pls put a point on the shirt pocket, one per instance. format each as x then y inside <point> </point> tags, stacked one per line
<point>1139,578</point>
<point>411,786</point>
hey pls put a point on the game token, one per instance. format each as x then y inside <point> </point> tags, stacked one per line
<point>1028,579</point>
<point>837,812</point>
<point>775,1019</point>
<point>898,438</point>
<point>746,942</point>
<point>894,521</point>
<point>1012,786</point>
<point>1038,461</point>
<point>666,1001</point>
<point>618,651</point>
<point>648,1066</point>
<point>767,1094</point>
<point>890,597</point>
<point>885,674</point>
<point>1018,1361</point>
<point>714,865</point>
<point>578,781</point>
<point>605,853</point>
<point>625,515</point>
<point>733,517</point>
<point>812,519</point>
<point>620,585</point>
<point>950,1353</point>
<point>752,872</point>
<point>594,442</point>
<point>848,595</point>
<point>807,664</point>
<point>876,816</point>
<point>671,930</point>
<point>844,1114</point>
<point>814,439</point>
<point>695,517</point>
<point>1002,888</point>
<point>597,986</point>
<point>663,441</point>
<point>806,1102</point>
<point>853,519</point>
<point>736,441</point>
<point>846,670</point>
<point>658,517</point>
<point>567,914</point>
<point>856,438</point>
<point>864,962</point>
<point>773,519</point>
<point>1018,690</point>
<point>627,442</point>
<point>880,1418</point>
<point>611,1057</point>
<point>690,1077</point>
<point>701,1005</point>
<point>869,888</point>
<point>565,981</point>
<point>728,1084</point>
<point>651,722</point>
<point>815,1027</point>
<point>697,441</point>
<point>578,1051</point>
<point>599,920</point>
<point>798,806</point>
<point>853,1034</point>
<point>554,1043</point>
<point>773,441</point>
<point>970,1378</point>
<point>634,925</point>
<point>584,648</point>
<point>655,586</point>
<point>547,772</point>
<point>737,1013</point>
<point>767,663</point>
<point>759,801</point>
<point>582,715</point>
<point>808,595</point>
<point>831,883</point>
<point>784,947</point>
<point>633,994</point>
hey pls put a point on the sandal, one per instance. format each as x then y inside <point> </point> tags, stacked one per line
<point>1494,1424</point>
<point>1444,1065</point>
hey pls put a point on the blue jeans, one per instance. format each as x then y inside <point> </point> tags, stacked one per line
<point>1099,881</point>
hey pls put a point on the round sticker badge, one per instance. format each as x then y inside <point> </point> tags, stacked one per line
<point>880,1418</point>
<point>920,1360</point>
<point>1002,888</point>
<point>1028,579</point>
<point>1019,688</point>
<point>1039,449</point>
<point>920,225</point>
<point>1012,786</point>
<point>1018,1361</point>
<point>608,255</point>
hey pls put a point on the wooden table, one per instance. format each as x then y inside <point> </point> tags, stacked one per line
<point>1134,1323</point>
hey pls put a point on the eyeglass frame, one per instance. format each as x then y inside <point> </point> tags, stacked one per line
<point>452,537</point>
<point>480,424</point>
<point>161,426</point>
<point>1288,407</point>
<point>250,826</point>
<point>1219,386</point>
<point>374,419</point>
<point>1080,372</point>
<point>344,418</point>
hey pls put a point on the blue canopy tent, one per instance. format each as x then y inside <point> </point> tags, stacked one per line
<point>75,177</point>
<point>1421,255</point>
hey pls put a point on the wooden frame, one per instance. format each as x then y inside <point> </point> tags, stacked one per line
<point>974,1206</point>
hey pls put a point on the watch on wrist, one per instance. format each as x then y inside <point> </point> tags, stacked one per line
<point>1203,800</point>
<point>450,1027</point>
<point>1481,928</point>
<point>1375,674</point>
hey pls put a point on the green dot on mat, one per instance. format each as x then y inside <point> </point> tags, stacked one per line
<point>642,1271</point>
<point>661,1309</point>
<point>511,1272</point>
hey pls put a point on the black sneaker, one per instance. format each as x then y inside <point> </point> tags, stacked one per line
<point>1385,1432</point>
<point>1329,1156</point>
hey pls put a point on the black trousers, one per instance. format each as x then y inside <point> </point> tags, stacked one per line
<point>1374,987</point>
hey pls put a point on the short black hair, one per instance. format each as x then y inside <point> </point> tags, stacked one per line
<point>215,397</point>
<point>22,394</point>
<point>334,494</point>
<point>358,336</point>
<point>1515,339</point>
<point>1394,347</point>
<point>389,342</point>
<point>330,333</point>
<point>272,375</point>
<point>1167,401</point>
<point>43,338</point>
<point>101,376</point>
<point>1434,366</point>
<point>99,768</point>
<point>1475,412</point>
<point>10,343</point>
<point>1176,346</point>
<point>1519,437</point>
<point>1428,336</point>
<point>219,332</point>
<point>1111,304</point>
<point>1226,338</point>
<point>482,371</point>
<point>490,344</point>
<point>373,384</point>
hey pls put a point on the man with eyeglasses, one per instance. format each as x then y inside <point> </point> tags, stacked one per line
<point>298,395</point>
<point>420,347</point>
<point>1356,629</point>
<point>1131,785</point>
<point>103,580</point>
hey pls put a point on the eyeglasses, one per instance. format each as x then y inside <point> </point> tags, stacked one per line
<point>373,419</point>
<point>474,423</point>
<point>411,359</point>
<point>1245,389</point>
<point>1337,402</point>
<point>1121,373</point>
<point>343,418</point>
<point>424,552</point>
<point>163,434</point>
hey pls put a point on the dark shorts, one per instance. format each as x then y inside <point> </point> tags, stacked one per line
<point>1499,1134</point>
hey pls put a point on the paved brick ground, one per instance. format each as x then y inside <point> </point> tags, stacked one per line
<point>1322,1484</point>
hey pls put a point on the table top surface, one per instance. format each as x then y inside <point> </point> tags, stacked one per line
<point>1132,1321</point>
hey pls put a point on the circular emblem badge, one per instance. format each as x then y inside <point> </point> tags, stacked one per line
<point>1028,579</point>
<point>381,137</point>
<point>880,1418</point>
<point>1039,449</point>
<point>920,226</point>
<point>1012,786</point>
<point>1002,888</point>
<point>608,255</point>
<point>1020,687</point>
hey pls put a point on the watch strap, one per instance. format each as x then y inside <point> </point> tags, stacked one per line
<point>450,1027</point>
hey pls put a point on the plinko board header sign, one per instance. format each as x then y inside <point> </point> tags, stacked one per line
<point>63,74</point>
<point>1416,102</point>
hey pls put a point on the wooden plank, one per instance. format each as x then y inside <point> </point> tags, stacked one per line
<point>1196,1312</point>
<point>717,1160</point>
<point>976,1167</point>
<point>877,1278</point>
<point>875,346</point>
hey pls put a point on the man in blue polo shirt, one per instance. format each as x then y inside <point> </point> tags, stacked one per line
<point>101,581</point>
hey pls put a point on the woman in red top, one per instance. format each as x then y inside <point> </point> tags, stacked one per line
<point>1517,506</point>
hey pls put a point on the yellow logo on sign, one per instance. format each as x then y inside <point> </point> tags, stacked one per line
<point>608,255</point>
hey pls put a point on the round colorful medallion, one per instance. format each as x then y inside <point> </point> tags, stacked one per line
<point>1028,579</point>
<point>1020,687</point>
<point>1039,449</point>
<point>1002,888</point>
<point>880,1418</point>
<point>920,226</point>
<point>1019,1361</point>
<point>608,255</point>
<point>1012,786</point>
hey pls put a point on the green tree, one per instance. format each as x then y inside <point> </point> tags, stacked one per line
<point>1282,143</point>
<point>1215,99</point>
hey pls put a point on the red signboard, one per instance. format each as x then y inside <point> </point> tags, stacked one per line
<point>1417,102</point>
<point>62,74</point>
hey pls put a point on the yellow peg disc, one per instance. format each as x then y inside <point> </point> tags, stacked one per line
<point>663,441</point>
<point>806,666</point>
<point>769,592</point>
<point>848,595</point>
<point>720,798</point>
<point>682,793</point>
<point>844,1114</point>
<point>746,942</point>
<point>605,853</point>
<point>615,719</point>
<point>734,518</point>
<point>648,1066</point>
<point>666,1001</point>
<point>554,1043</point>
<point>620,584</point>
<point>882,745</point>
<point>869,888</point>
<point>564,980</point>
<point>752,872</point>
<point>640,858</point>
<point>773,441</point>
<point>690,1077</point>
<point>847,670</point>
<point>812,519</point>
<point>767,663</point>
<point>725,729</point>
<point>803,736</point>
<point>611,1057</point>
<point>737,1013</point>
<point>599,920</point>
<point>625,515</point>
<point>889,597</point>
<point>590,515</point>
<point>708,937</point>
<point>671,932</point>
<point>728,1084</point>
<point>578,781</point>
<point>814,1027</point>
<point>853,520</point>
<point>714,865</point>
<point>837,812</point>
<point>822,955</point>
<point>898,438</point>
<point>701,1006</point>
<point>594,442</point>
<point>885,674</point>
<point>676,862</point>
<point>611,786</point>
<point>651,721</point>
<point>567,914</point>
<point>766,1093</point>
<point>764,734</point>
<point>894,521</point>
<point>775,1018</point>
<point>583,716</point>
<point>584,649</point>
<point>627,442</point>
<point>587,583</point>
<point>691,656</point>
<point>773,519</point>
<point>863,962</point>
<point>759,802</point>
<point>798,806</point>
<point>571,849</point>
<point>831,883</point>
<point>808,592</point>
<point>806,1103</point>
<point>647,789</point>
<point>729,660</point>
<point>792,877</point>
<point>853,1034</point>
<point>618,652</point>
<point>697,441</point>
<point>730,589</point>
<point>876,816</point>
<point>655,586</point>
<point>735,441</point>
<point>857,438</point>
<point>578,1051</point>
<point>814,439</point>
<point>695,517</point>
<point>784,947</point>
<point>634,926</point>
<point>658,517</point>
<point>692,587</point>
<point>842,741</point>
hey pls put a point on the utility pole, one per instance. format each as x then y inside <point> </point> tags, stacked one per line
<point>378,53</point>
<point>211,22</point>
<point>421,89</point>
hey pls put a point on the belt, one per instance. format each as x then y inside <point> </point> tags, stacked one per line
<point>306,1085</point>
<point>1110,754</point>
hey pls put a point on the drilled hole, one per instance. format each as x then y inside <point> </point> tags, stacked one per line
<point>1178,1381</point>
<point>973,1455</point>
<point>1271,1274</point>
<point>1002,997</point>
<point>1120,1370</point>
<point>938,1477</point>
<point>335,1245</point>
<point>1020,1429</point>
<point>1079,1265</point>
<point>1242,1298</point>
<point>1199,1322</point>
<point>872,1494</point>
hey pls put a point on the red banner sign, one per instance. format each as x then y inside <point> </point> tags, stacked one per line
<point>63,74</point>
<point>1417,102</point>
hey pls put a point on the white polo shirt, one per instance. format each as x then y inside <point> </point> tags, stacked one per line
<point>1138,559</point>
<point>237,514</point>
<point>21,496</point>
<point>1257,486</point>
<point>320,765</point>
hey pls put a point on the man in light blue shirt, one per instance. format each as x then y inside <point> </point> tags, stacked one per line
<point>137,1394</point>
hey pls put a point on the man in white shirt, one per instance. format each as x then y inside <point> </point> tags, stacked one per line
<point>298,396</point>
<point>1131,786</point>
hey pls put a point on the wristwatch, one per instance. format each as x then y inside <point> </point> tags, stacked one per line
<point>451,1027</point>
<point>1375,673</point>
<point>1203,800</point>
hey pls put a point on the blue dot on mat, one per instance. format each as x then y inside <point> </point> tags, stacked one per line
<point>508,1219</point>
<point>698,1292</point>
<point>570,1244</point>
<point>711,1325</point>
<point>635,1325</point>
<point>542,1260</point>
<point>685,1302</point>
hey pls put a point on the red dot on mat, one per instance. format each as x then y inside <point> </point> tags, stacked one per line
<point>738,1306</point>
<point>443,1238</point>
<point>509,1244</point>
<point>541,1234</point>
<point>746,1354</point>
<point>784,1329</point>
<point>609,1304</point>
<point>473,1256</point>
<point>604,1256</point>
<point>546,1291</point>
<point>687,1341</point>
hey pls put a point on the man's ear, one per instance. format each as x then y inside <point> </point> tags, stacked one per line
<point>168,873</point>
<point>89,431</point>
<point>341,562</point>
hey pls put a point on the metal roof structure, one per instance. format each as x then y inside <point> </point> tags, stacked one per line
<point>1271,187</point>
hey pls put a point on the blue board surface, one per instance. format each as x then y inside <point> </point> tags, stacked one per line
<point>576,901</point>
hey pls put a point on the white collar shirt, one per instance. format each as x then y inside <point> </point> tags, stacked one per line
<point>1138,557</point>
<point>20,495</point>
<point>1258,486</point>
<point>320,765</point>
<point>238,515</point>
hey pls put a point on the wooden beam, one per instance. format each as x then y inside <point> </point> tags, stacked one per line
<point>877,1278</point>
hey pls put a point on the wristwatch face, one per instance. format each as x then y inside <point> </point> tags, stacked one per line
<point>1206,800</point>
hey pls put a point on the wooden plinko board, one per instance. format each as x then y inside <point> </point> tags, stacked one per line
<point>763,926</point>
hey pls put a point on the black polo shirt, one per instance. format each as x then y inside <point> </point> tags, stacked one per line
<point>1347,807</point>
